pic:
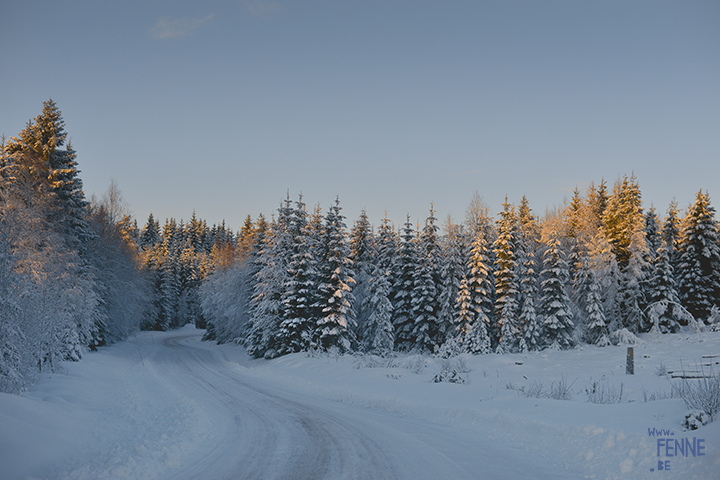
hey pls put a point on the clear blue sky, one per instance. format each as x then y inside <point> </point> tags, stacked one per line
<point>222,106</point>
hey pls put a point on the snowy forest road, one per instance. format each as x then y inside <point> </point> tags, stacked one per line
<point>264,432</point>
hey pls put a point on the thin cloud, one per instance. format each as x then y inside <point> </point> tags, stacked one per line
<point>261,8</point>
<point>178,27</point>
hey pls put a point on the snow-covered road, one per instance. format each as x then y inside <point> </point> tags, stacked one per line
<point>164,405</point>
<point>267,432</point>
<point>167,406</point>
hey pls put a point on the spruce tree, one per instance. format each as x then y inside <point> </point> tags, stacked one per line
<point>699,259</point>
<point>424,303</point>
<point>506,281</point>
<point>454,260</point>
<point>335,326</point>
<point>404,281</point>
<point>558,325</point>
<point>596,330</point>
<point>527,243</point>
<point>362,253</point>
<point>298,325</point>
<point>377,331</point>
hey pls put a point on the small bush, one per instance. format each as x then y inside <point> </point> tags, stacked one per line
<point>560,390</point>
<point>416,364</point>
<point>601,391</point>
<point>695,419</point>
<point>700,394</point>
<point>535,390</point>
<point>652,397</point>
<point>449,373</point>
<point>661,370</point>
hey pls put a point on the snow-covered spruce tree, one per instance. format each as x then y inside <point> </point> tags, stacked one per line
<point>506,281</point>
<point>335,326</point>
<point>404,279</point>
<point>671,233</point>
<point>622,217</point>
<point>527,243</point>
<point>699,259</point>
<point>653,237</point>
<point>454,259</point>
<point>557,325</point>
<point>633,284</point>
<point>608,275</point>
<point>480,278</point>
<point>298,325</point>
<point>266,307</point>
<point>377,332</point>
<point>472,336</point>
<point>425,307</point>
<point>596,330</point>
<point>362,252</point>
<point>150,235</point>
<point>659,313</point>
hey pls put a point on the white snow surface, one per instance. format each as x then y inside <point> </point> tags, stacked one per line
<point>165,405</point>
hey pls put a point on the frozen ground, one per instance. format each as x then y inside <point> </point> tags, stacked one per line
<point>165,405</point>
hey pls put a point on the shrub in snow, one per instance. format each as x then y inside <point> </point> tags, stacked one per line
<point>661,370</point>
<point>601,391</point>
<point>713,320</point>
<point>535,390</point>
<point>560,390</point>
<point>624,337</point>
<point>702,394</point>
<point>416,364</point>
<point>449,372</point>
<point>695,419</point>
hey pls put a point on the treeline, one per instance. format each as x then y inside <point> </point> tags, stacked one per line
<point>178,257</point>
<point>70,275</point>
<point>599,270</point>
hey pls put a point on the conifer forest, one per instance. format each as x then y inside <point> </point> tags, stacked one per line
<point>77,273</point>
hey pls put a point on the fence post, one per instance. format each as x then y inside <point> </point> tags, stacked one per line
<point>630,366</point>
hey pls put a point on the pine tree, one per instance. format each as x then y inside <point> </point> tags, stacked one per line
<point>622,217</point>
<point>336,325</point>
<point>671,233</point>
<point>558,325</point>
<point>527,243</point>
<point>404,278</point>
<point>596,325</point>
<point>472,335</point>
<point>377,331</point>
<point>699,259</point>
<point>663,298</point>
<point>454,260</point>
<point>298,326</point>
<point>480,277</point>
<point>632,284</point>
<point>266,307</point>
<point>425,307</point>
<point>362,254</point>
<point>506,281</point>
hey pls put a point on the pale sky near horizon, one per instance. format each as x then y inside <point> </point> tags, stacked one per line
<point>223,106</point>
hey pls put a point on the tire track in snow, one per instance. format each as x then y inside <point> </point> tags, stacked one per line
<point>267,433</point>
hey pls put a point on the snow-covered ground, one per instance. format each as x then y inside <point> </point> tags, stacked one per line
<point>166,405</point>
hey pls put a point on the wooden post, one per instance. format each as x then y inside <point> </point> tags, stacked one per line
<point>630,366</point>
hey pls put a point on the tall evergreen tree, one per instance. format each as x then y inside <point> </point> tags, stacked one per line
<point>506,281</point>
<point>335,326</point>
<point>699,259</point>
<point>404,281</point>
<point>527,243</point>
<point>424,303</point>
<point>298,326</point>
<point>362,254</point>
<point>454,260</point>
<point>558,324</point>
